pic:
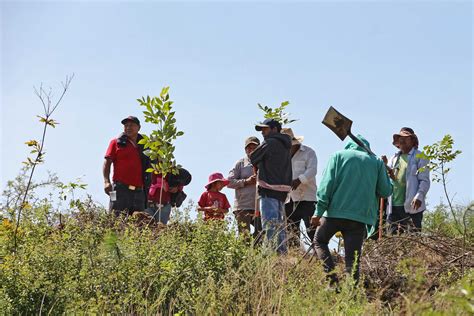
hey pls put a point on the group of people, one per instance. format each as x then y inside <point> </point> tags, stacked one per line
<point>275,189</point>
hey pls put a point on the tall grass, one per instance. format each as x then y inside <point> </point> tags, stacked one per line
<point>96,264</point>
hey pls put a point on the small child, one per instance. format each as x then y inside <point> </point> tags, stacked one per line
<point>213,203</point>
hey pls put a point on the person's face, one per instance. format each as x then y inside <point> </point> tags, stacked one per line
<point>131,129</point>
<point>405,144</point>
<point>267,131</point>
<point>219,185</point>
<point>250,148</point>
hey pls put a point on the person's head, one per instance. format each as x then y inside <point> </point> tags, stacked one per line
<point>216,182</point>
<point>268,127</point>
<point>295,140</point>
<point>131,126</point>
<point>250,144</point>
<point>405,140</point>
<point>216,186</point>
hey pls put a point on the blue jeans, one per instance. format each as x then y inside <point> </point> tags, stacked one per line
<point>162,215</point>
<point>273,222</point>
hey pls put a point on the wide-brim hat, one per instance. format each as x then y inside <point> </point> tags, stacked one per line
<point>216,177</point>
<point>405,132</point>
<point>295,140</point>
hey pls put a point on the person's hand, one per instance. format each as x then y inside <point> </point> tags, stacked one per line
<point>251,180</point>
<point>391,173</point>
<point>295,184</point>
<point>384,159</point>
<point>107,187</point>
<point>173,189</point>
<point>415,204</point>
<point>315,221</point>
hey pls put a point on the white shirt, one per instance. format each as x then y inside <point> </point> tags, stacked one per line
<point>305,166</point>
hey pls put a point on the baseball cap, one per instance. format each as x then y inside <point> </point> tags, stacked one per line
<point>252,140</point>
<point>268,123</point>
<point>133,119</point>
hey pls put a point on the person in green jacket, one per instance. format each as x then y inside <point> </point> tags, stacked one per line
<point>348,194</point>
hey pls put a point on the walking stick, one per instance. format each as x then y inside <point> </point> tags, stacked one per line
<point>381,217</point>
<point>257,223</point>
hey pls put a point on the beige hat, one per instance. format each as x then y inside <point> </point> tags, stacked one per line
<point>295,140</point>
<point>405,131</point>
<point>252,140</point>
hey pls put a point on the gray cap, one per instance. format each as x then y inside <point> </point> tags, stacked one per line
<point>252,140</point>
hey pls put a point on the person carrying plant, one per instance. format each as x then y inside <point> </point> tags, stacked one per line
<point>128,188</point>
<point>410,185</point>
<point>212,202</point>
<point>243,180</point>
<point>272,162</point>
<point>348,194</point>
<point>166,193</point>
<point>302,202</point>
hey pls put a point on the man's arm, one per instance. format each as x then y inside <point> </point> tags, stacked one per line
<point>235,180</point>
<point>259,153</point>
<point>326,187</point>
<point>423,180</point>
<point>106,174</point>
<point>312,168</point>
<point>384,185</point>
<point>325,191</point>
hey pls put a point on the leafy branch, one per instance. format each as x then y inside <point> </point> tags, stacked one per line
<point>159,144</point>
<point>49,107</point>
<point>278,113</point>
<point>439,155</point>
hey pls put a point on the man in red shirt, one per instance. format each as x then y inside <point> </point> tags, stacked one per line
<point>128,190</point>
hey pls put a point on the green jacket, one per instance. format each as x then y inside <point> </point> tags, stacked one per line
<point>352,183</point>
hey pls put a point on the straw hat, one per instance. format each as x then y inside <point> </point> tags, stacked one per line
<point>295,140</point>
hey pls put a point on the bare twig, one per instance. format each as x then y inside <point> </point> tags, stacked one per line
<point>45,99</point>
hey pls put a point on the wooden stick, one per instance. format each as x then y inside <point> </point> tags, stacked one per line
<point>381,217</point>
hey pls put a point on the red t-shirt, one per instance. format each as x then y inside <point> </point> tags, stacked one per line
<point>216,199</point>
<point>127,163</point>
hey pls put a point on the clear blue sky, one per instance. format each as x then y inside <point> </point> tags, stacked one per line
<point>385,65</point>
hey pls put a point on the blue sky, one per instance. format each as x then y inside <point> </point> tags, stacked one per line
<point>385,65</point>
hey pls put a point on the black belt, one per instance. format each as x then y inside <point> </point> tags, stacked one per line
<point>130,187</point>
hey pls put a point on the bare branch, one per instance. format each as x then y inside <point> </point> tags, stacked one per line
<point>65,88</point>
<point>39,94</point>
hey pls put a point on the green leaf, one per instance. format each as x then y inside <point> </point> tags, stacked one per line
<point>164,92</point>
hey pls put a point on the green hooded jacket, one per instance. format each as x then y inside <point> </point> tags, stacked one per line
<point>352,183</point>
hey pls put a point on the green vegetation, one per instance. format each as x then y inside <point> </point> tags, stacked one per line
<point>277,113</point>
<point>90,262</point>
<point>159,144</point>
<point>65,255</point>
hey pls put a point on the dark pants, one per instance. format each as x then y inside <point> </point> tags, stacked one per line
<point>400,221</point>
<point>128,201</point>
<point>295,212</point>
<point>353,234</point>
<point>245,218</point>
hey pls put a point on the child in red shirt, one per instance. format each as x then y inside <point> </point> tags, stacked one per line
<point>213,203</point>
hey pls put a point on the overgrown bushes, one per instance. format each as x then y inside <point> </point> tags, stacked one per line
<point>93,263</point>
<point>87,261</point>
